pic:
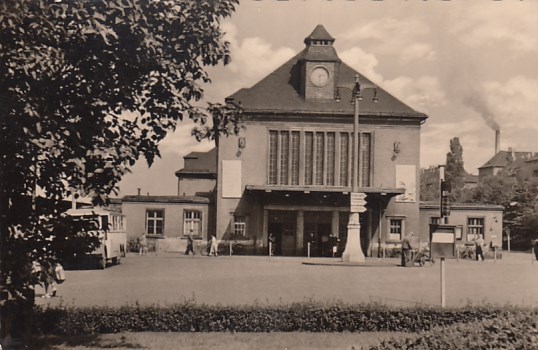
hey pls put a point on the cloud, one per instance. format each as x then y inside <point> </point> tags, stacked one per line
<point>253,57</point>
<point>362,61</point>
<point>389,36</point>
<point>424,92</point>
<point>512,23</point>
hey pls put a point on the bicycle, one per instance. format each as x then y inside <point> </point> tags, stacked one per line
<point>223,248</point>
<point>467,253</point>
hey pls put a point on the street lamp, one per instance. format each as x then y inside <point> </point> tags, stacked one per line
<point>353,250</point>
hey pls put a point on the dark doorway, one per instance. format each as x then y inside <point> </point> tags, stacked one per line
<point>282,224</point>
<point>317,232</point>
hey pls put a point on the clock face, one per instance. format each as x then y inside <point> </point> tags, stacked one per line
<point>319,76</point>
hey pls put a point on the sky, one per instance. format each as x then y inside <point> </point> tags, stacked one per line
<point>470,66</point>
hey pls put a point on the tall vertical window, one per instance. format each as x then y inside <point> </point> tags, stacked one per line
<point>295,157</point>
<point>475,226</point>
<point>273,157</point>
<point>155,221</point>
<point>344,159</point>
<point>323,155</point>
<point>192,222</point>
<point>330,158</point>
<point>396,229</point>
<point>240,225</point>
<point>284,156</point>
<point>365,160</point>
<point>309,157</point>
<point>320,151</point>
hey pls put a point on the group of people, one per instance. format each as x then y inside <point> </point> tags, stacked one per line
<point>49,274</point>
<point>213,246</point>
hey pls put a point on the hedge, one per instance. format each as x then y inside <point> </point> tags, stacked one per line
<point>512,331</point>
<point>302,317</point>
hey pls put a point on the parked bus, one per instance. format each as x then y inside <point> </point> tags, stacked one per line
<point>110,227</point>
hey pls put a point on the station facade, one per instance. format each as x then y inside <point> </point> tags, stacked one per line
<point>288,173</point>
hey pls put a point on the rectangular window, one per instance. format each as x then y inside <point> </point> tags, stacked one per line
<point>273,157</point>
<point>295,157</point>
<point>396,229</point>
<point>364,159</point>
<point>284,156</point>
<point>435,220</point>
<point>240,226</point>
<point>344,159</point>
<point>320,151</point>
<point>192,223</point>
<point>309,157</point>
<point>155,221</point>
<point>475,226</point>
<point>330,158</point>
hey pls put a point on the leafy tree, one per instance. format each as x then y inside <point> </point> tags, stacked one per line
<point>429,184</point>
<point>454,172</point>
<point>519,196</point>
<point>87,88</point>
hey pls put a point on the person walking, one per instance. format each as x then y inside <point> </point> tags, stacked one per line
<point>479,243</point>
<point>407,249</point>
<point>190,248</point>
<point>214,246</point>
<point>143,249</point>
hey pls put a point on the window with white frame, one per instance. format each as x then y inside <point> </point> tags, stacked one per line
<point>475,226</point>
<point>155,221</point>
<point>396,229</point>
<point>192,222</point>
<point>240,225</point>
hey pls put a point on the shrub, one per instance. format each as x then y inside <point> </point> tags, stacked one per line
<point>509,331</point>
<point>306,317</point>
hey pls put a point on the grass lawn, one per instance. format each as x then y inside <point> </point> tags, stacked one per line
<point>224,341</point>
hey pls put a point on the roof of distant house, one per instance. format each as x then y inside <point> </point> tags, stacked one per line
<point>504,158</point>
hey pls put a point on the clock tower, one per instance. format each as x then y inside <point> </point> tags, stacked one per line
<point>319,66</point>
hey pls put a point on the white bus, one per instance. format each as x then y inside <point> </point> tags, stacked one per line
<point>110,226</point>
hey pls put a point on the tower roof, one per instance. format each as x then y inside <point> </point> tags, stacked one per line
<point>319,33</point>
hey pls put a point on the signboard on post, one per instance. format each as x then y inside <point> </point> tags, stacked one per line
<point>358,202</point>
<point>443,240</point>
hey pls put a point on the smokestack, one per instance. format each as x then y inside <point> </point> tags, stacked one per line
<point>497,140</point>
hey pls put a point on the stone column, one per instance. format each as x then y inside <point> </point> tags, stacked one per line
<point>299,232</point>
<point>335,224</point>
<point>265,227</point>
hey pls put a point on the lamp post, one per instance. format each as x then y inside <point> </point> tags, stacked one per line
<point>353,251</point>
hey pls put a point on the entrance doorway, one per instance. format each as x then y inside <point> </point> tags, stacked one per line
<point>282,224</point>
<point>317,232</point>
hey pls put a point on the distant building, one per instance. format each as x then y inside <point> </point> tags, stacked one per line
<point>510,161</point>
<point>473,219</point>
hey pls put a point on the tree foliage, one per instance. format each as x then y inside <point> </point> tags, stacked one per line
<point>455,172</point>
<point>88,87</point>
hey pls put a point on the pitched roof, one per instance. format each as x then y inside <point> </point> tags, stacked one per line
<point>319,33</point>
<point>504,158</point>
<point>199,163</point>
<point>279,92</point>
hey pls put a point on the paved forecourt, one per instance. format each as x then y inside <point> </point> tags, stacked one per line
<point>243,280</point>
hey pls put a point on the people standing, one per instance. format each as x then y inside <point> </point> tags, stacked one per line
<point>272,242</point>
<point>190,248</point>
<point>214,246</point>
<point>143,249</point>
<point>479,243</point>
<point>407,249</point>
<point>47,275</point>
